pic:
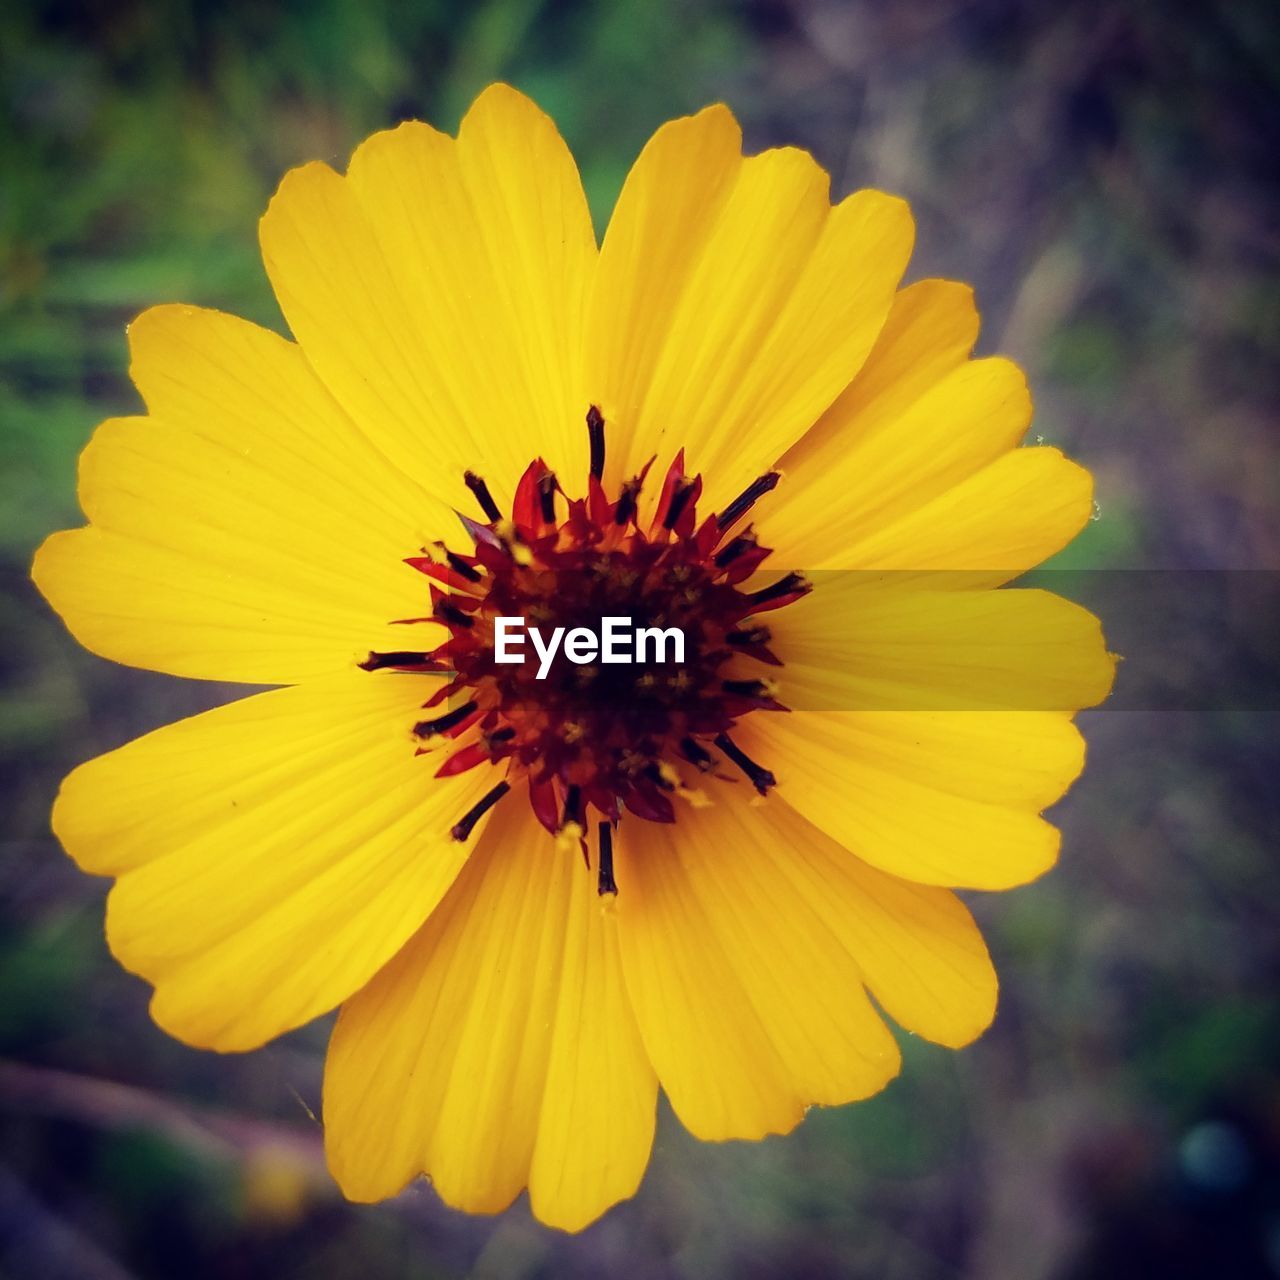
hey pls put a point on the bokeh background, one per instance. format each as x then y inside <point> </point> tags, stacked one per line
<point>1106,176</point>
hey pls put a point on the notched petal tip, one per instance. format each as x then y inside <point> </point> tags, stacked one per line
<point>947,310</point>
<point>159,318</point>
<point>713,126</point>
<point>44,564</point>
<point>1069,484</point>
<point>968,1020</point>
<point>719,114</point>
<point>958,300</point>
<point>1001,384</point>
<point>98,469</point>
<point>54,569</point>
<point>1037,862</point>
<point>795,167</point>
<point>169,342</point>
<point>502,105</point>
<point>891,212</point>
<point>150,336</point>
<point>1097,664</point>
<point>387,146</point>
<point>358,1188</point>
<point>65,825</point>
<point>176,1016</point>
<point>314,179</point>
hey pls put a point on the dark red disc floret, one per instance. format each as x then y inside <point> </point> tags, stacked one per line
<point>610,737</point>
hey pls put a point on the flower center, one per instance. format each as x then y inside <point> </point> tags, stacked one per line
<point>598,735</point>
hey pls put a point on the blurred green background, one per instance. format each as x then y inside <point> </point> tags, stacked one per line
<point>1106,177</point>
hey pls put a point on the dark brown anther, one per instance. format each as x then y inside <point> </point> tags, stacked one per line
<point>748,636</point>
<point>606,883</point>
<point>461,567</point>
<point>425,728</point>
<point>791,583</point>
<point>451,614</point>
<point>499,737</point>
<point>746,688</point>
<point>696,753</point>
<point>572,807</point>
<point>732,550</point>
<point>547,486</point>
<point>466,824</point>
<point>396,658</point>
<point>679,500</point>
<point>747,499</point>
<point>627,502</point>
<point>482,495</point>
<point>759,777</point>
<point>595,434</point>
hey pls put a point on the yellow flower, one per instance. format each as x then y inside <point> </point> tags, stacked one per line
<point>508,1014</point>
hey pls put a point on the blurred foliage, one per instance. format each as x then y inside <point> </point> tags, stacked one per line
<point>1106,178</point>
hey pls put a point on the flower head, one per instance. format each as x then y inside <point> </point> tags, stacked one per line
<point>539,896</point>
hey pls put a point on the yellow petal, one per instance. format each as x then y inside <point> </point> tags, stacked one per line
<point>870,642</point>
<point>750,1006</point>
<point>826,329</point>
<point>916,421</point>
<point>930,330</point>
<point>537,232</point>
<point>596,1124</point>
<point>947,798</point>
<point>439,290</point>
<point>246,530</point>
<point>732,305</point>
<point>660,226</point>
<point>1006,519</point>
<point>498,1049</point>
<point>235,384</point>
<point>272,854</point>
<point>920,952</point>
<point>917,947</point>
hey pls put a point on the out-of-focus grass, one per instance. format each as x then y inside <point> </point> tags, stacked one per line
<point>1105,178</point>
